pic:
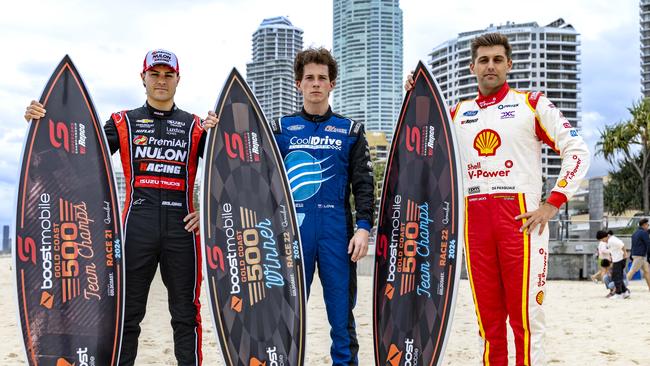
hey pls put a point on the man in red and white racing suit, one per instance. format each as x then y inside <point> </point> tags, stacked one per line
<point>500,136</point>
<point>502,179</point>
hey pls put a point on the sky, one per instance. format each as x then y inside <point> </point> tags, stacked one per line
<point>107,41</point>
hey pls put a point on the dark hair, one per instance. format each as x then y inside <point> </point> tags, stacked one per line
<point>489,40</point>
<point>320,56</point>
<point>609,232</point>
<point>643,222</point>
<point>601,234</point>
<point>605,262</point>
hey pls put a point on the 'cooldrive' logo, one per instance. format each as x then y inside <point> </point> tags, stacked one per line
<point>315,142</point>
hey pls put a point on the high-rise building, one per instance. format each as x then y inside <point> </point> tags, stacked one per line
<point>545,59</point>
<point>270,75</point>
<point>378,146</point>
<point>120,181</point>
<point>368,48</point>
<point>6,240</point>
<point>644,13</point>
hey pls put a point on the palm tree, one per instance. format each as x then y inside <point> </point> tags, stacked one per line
<point>628,142</point>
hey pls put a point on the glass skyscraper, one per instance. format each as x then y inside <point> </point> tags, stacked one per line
<point>644,13</point>
<point>270,75</point>
<point>368,39</point>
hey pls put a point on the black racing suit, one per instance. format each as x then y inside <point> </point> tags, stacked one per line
<point>159,152</point>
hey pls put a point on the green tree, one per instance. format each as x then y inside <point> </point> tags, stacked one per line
<point>628,142</point>
<point>623,191</point>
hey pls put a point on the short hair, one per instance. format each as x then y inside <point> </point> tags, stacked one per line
<point>605,262</point>
<point>601,234</point>
<point>643,222</point>
<point>320,56</point>
<point>489,40</point>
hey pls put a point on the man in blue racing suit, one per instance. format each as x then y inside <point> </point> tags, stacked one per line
<point>325,154</point>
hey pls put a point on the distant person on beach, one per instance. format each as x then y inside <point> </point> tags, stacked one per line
<point>609,283</point>
<point>617,249</point>
<point>604,261</point>
<point>640,245</point>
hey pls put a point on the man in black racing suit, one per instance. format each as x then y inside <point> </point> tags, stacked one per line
<point>159,147</point>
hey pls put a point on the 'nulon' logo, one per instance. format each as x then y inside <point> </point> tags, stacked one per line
<point>305,174</point>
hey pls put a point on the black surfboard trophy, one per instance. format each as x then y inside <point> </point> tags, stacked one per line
<point>251,244</point>
<point>68,242</point>
<point>419,236</point>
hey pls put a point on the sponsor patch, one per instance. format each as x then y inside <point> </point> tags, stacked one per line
<point>476,171</point>
<point>315,142</point>
<point>140,140</point>
<point>504,106</point>
<point>540,297</point>
<point>507,114</point>
<point>296,127</point>
<point>70,137</point>
<point>175,131</point>
<point>335,129</point>
<point>274,125</point>
<point>470,113</point>
<point>487,142</point>
<point>173,123</point>
<point>541,277</point>
<point>421,140</point>
<point>503,188</point>
<point>146,120</point>
<point>468,121</point>
<point>244,146</point>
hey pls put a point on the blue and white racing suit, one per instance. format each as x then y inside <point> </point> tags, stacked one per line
<point>326,158</point>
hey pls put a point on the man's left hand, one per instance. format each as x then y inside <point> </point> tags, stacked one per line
<point>211,121</point>
<point>358,245</point>
<point>538,217</point>
<point>192,221</point>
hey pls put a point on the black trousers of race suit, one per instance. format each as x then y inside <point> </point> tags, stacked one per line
<point>157,236</point>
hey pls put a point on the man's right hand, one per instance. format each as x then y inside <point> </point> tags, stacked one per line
<point>34,110</point>
<point>409,83</point>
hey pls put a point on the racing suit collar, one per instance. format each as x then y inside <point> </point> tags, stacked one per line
<point>159,113</point>
<point>485,101</point>
<point>315,117</point>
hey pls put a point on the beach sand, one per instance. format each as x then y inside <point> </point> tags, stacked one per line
<point>584,328</point>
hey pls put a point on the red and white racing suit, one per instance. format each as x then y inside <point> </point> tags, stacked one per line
<point>500,138</point>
